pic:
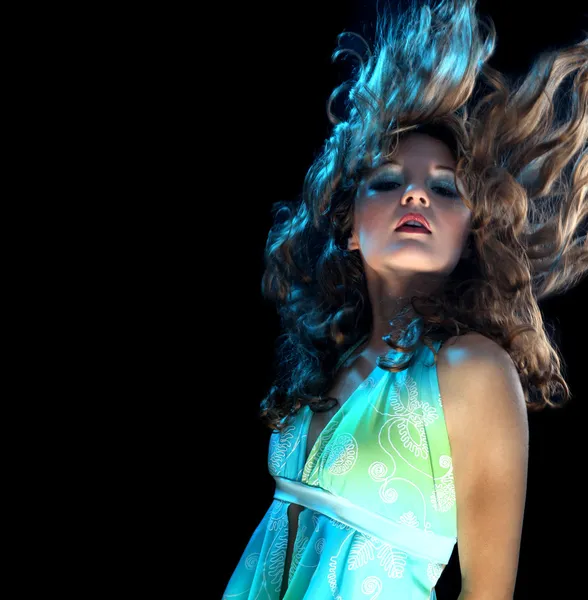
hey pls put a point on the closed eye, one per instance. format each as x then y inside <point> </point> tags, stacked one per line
<point>443,191</point>
<point>384,186</point>
<point>387,186</point>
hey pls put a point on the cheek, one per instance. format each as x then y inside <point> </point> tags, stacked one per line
<point>372,215</point>
<point>459,226</point>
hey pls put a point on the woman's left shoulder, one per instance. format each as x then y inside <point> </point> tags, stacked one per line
<point>471,348</point>
<point>478,379</point>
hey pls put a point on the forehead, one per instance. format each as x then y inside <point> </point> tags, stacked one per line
<point>422,148</point>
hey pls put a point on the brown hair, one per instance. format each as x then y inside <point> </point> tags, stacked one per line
<point>520,149</point>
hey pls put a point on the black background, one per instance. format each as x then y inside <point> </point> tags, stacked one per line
<point>275,75</point>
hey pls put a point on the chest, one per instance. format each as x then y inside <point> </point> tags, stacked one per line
<point>344,385</point>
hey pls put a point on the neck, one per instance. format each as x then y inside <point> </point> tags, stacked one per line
<point>390,300</point>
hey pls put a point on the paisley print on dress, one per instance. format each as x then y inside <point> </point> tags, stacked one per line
<point>443,495</point>
<point>280,448</point>
<point>411,417</point>
<point>251,561</point>
<point>342,454</point>
<point>372,585</point>
<point>409,519</point>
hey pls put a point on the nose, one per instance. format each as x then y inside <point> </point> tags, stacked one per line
<point>416,195</point>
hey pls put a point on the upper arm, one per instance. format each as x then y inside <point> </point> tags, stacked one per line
<point>488,432</point>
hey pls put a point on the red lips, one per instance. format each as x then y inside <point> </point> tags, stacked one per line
<point>414,217</point>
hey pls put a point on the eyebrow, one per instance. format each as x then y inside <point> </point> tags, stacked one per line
<point>436,168</point>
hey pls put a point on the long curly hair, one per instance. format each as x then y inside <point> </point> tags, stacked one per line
<point>520,149</point>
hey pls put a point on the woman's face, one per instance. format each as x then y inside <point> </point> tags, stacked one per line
<point>419,179</point>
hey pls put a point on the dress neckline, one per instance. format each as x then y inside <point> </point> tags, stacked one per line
<point>345,406</point>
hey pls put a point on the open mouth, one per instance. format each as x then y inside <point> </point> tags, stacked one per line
<point>413,229</point>
<point>413,222</point>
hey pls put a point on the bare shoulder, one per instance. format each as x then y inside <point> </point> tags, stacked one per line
<point>472,357</point>
<point>479,385</point>
<point>472,346</point>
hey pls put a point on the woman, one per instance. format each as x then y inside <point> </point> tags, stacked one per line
<point>444,205</point>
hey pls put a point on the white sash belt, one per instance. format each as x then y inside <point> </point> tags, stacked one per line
<point>430,545</point>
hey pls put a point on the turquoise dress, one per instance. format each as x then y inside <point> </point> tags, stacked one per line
<point>380,517</point>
